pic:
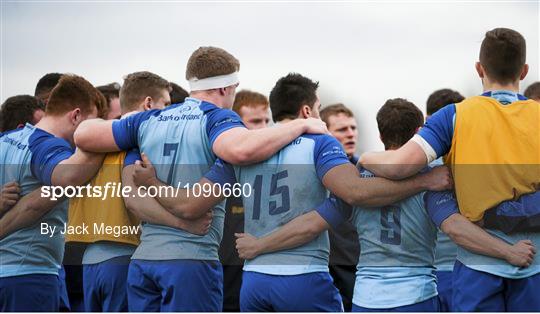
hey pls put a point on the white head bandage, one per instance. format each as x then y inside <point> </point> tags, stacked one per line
<point>219,81</point>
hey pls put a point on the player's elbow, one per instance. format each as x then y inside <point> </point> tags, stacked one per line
<point>238,155</point>
<point>452,227</point>
<point>83,136</point>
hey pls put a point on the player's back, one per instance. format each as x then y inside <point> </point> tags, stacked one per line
<point>177,141</point>
<point>396,262</point>
<point>27,250</point>
<point>284,187</point>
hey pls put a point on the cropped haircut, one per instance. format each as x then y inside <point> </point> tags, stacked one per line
<point>209,62</point>
<point>45,85</point>
<point>398,120</point>
<point>178,94</point>
<point>502,54</point>
<point>533,91</point>
<point>18,110</point>
<point>110,92</point>
<point>71,92</point>
<point>290,93</point>
<point>247,98</point>
<point>440,98</point>
<point>333,110</point>
<point>139,85</point>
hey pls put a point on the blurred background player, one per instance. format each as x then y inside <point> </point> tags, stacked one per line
<point>178,94</point>
<point>193,133</point>
<point>45,85</point>
<point>35,156</point>
<point>497,132</point>
<point>445,250</point>
<point>112,94</point>
<point>252,107</point>
<point>344,246</point>
<point>533,91</point>
<point>16,111</point>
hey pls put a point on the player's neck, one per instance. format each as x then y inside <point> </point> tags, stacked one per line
<point>208,97</point>
<point>493,86</point>
<point>54,125</point>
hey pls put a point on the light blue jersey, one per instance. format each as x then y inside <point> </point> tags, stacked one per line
<point>396,264</point>
<point>29,156</point>
<point>444,204</point>
<point>178,140</point>
<point>446,249</point>
<point>284,187</point>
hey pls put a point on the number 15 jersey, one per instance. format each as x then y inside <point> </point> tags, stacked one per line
<point>282,188</point>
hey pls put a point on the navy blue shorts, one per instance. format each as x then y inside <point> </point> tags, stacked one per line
<point>175,286</point>
<point>444,289</point>
<point>312,292</point>
<point>30,293</point>
<point>476,291</point>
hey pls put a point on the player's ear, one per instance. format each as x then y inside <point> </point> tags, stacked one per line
<point>305,111</point>
<point>524,71</point>
<point>480,70</point>
<point>147,105</point>
<point>75,116</point>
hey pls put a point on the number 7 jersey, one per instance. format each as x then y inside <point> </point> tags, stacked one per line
<point>178,141</point>
<point>282,188</point>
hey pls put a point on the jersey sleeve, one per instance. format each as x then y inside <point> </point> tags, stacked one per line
<point>47,153</point>
<point>221,173</point>
<point>440,206</point>
<point>328,154</point>
<point>439,130</point>
<point>125,131</point>
<point>334,211</point>
<point>131,157</point>
<point>219,121</point>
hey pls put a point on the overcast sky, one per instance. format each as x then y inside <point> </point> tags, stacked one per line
<point>362,53</point>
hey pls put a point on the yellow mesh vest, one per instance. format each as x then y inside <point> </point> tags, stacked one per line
<point>110,211</point>
<point>495,153</point>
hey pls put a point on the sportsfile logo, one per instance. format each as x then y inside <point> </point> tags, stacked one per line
<point>115,190</point>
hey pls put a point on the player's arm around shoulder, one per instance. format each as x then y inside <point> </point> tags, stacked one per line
<point>240,146</point>
<point>96,135</point>
<point>78,169</point>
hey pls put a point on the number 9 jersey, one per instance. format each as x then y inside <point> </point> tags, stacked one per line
<point>396,263</point>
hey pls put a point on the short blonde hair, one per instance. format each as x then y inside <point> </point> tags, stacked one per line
<point>209,62</point>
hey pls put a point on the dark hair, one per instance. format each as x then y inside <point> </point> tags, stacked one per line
<point>72,92</point>
<point>440,98</point>
<point>18,110</point>
<point>533,91</point>
<point>139,85</point>
<point>333,110</point>
<point>45,85</point>
<point>247,98</point>
<point>209,62</point>
<point>178,94</point>
<point>398,120</point>
<point>110,92</point>
<point>290,93</point>
<point>502,55</point>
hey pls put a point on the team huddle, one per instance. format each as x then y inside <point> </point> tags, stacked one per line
<point>445,219</point>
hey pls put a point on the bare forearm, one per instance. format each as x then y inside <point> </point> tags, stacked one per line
<point>372,192</point>
<point>470,236</point>
<point>184,204</point>
<point>25,213</point>
<point>297,232</point>
<point>78,169</point>
<point>96,135</point>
